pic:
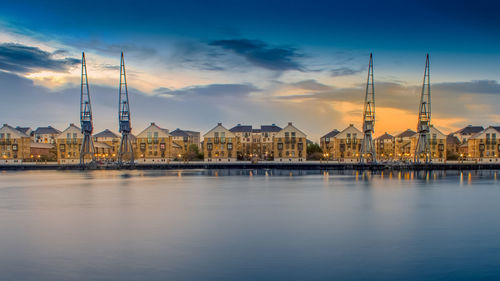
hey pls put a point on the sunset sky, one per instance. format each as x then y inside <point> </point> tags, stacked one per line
<point>191,64</point>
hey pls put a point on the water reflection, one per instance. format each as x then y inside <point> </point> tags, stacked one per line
<point>249,225</point>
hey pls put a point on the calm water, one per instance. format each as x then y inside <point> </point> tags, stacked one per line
<point>242,225</point>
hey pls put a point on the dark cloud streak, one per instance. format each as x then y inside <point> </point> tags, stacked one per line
<point>262,55</point>
<point>23,59</point>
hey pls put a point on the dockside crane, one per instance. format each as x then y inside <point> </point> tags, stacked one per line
<point>422,150</point>
<point>126,148</point>
<point>86,116</point>
<point>368,153</point>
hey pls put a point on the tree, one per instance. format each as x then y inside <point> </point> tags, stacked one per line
<point>192,153</point>
<point>314,151</point>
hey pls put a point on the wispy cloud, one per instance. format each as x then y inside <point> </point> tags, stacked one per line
<point>23,59</point>
<point>344,71</point>
<point>262,55</point>
<point>212,90</point>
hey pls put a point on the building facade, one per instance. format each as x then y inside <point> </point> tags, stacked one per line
<point>107,144</point>
<point>290,145</point>
<point>255,144</point>
<point>402,146</point>
<point>465,133</point>
<point>154,145</point>
<point>219,145</point>
<point>45,135</point>
<point>437,143</point>
<point>347,144</point>
<point>14,145</point>
<point>69,144</point>
<point>327,144</point>
<point>485,145</point>
<point>384,146</point>
<point>182,139</point>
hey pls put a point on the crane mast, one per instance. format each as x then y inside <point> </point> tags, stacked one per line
<point>126,148</point>
<point>86,116</point>
<point>422,150</point>
<point>368,153</point>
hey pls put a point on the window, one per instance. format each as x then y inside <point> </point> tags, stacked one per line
<point>74,135</point>
<point>1,136</point>
<point>162,146</point>
<point>280,146</point>
<point>14,147</point>
<point>293,134</point>
<point>222,137</point>
<point>209,146</point>
<point>229,146</point>
<point>62,147</point>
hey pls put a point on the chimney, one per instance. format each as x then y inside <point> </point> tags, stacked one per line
<point>219,124</point>
<point>351,125</point>
<point>290,123</point>
<point>273,124</point>
<point>153,123</point>
<point>71,124</point>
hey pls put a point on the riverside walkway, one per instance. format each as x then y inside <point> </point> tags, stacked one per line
<point>308,165</point>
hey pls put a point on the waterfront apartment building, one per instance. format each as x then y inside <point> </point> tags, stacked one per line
<point>384,146</point>
<point>182,139</point>
<point>245,137</point>
<point>347,144</point>
<point>465,133</point>
<point>45,135</point>
<point>219,145</point>
<point>255,144</point>
<point>154,145</point>
<point>437,145</point>
<point>106,144</point>
<point>327,144</point>
<point>402,146</point>
<point>14,145</point>
<point>68,145</point>
<point>485,145</point>
<point>290,145</point>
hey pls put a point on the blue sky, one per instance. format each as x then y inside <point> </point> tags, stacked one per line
<point>192,64</point>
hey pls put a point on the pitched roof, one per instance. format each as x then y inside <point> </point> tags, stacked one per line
<point>406,134</point>
<point>270,128</point>
<point>46,131</point>
<point>179,133</point>
<point>331,134</point>
<point>291,128</point>
<point>13,131</point>
<point>350,129</point>
<point>218,128</point>
<point>451,139</point>
<point>153,127</point>
<point>71,127</point>
<point>385,136</point>
<point>469,130</point>
<point>241,129</point>
<point>106,134</point>
<point>23,129</point>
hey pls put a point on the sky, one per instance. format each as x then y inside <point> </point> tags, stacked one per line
<point>192,64</point>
